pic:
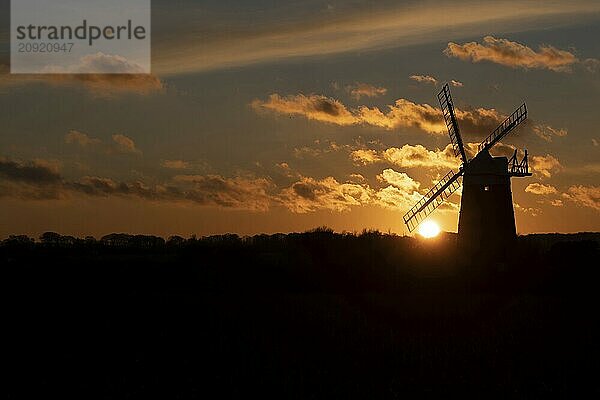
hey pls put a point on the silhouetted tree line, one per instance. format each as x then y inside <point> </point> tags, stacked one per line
<point>321,259</point>
<point>316,314</point>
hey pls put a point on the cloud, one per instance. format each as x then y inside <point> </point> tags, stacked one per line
<point>401,193</point>
<point>545,165</point>
<point>396,199</point>
<point>100,85</point>
<point>323,148</point>
<point>547,132</point>
<point>359,90</point>
<point>499,149</point>
<point>313,107</point>
<point>534,212</point>
<point>405,113</point>
<point>364,156</point>
<point>456,83</point>
<point>81,139</point>
<point>175,164</point>
<point>540,189</point>
<point>28,172</point>
<point>424,79</point>
<point>108,85</point>
<point>237,192</point>
<point>108,63</point>
<point>591,65</point>
<point>513,54</point>
<point>120,144</point>
<point>402,114</point>
<point>356,178</point>
<point>31,181</point>
<point>124,145</point>
<point>399,180</point>
<point>409,156</point>
<point>309,194</point>
<point>587,196</point>
<point>479,122</point>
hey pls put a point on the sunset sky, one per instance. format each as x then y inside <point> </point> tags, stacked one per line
<point>280,116</point>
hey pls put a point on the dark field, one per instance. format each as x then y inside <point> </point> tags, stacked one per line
<point>313,315</point>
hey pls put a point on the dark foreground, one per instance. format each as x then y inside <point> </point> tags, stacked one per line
<point>315,315</point>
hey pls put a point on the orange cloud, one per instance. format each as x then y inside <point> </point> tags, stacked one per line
<point>545,165</point>
<point>396,199</point>
<point>399,180</point>
<point>540,189</point>
<point>512,54</point>
<point>80,138</point>
<point>359,90</point>
<point>175,164</point>
<point>547,132</point>
<point>402,114</point>
<point>424,79</point>
<point>364,156</point>
<point>587,196</point>
<point>418,156</point>
<point>124,145</point>
<point>309,194</point>
<point>314,107</point>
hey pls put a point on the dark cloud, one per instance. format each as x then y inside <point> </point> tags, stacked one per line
<point>29,172</point>
<point>36,182</point>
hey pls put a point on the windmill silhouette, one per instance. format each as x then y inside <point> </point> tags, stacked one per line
<point>487,217</point>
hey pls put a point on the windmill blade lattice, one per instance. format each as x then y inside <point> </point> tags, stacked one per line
<point>447,106</point>
<point>505,127</point>
<point>436,196</point>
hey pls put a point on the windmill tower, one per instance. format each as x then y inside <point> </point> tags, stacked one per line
<point>487,220</point>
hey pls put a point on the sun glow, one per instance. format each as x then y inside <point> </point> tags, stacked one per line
<point>429,229</point>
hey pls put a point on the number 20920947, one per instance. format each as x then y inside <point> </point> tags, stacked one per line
<point>45,47</point>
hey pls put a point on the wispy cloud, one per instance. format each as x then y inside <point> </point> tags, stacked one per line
<point>175,164</point>
<point>548,133</point>
<point>320,33</point>
<point>402,114</point>
<point>120,143</point>
<point>424,79</point>
<point>513,54</point>
<point>587,196</point>
<point>314,107</point>
<point>359,90</point>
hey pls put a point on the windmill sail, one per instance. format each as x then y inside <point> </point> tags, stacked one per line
<point>436,196</point>
<point>450,118</point>
<point>505,127</point>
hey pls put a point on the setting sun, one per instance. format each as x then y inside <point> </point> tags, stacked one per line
<point>429,229</point>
